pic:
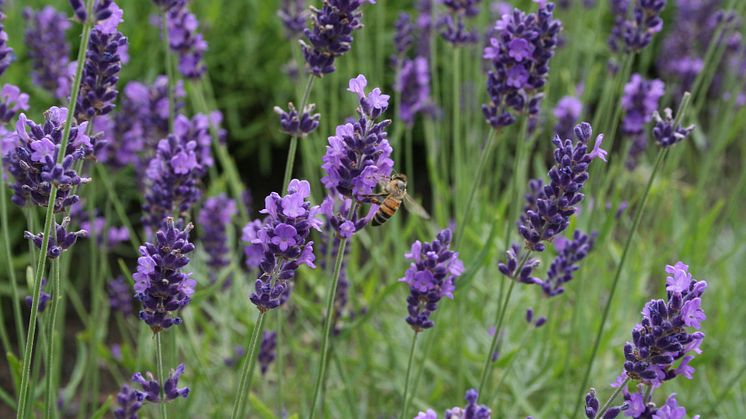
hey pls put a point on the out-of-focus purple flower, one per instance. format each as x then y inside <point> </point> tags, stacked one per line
<point>425,26</point>
<point>403,35</point>
<point>453,26</point>
<point>569,255</point>
<point>109,237</point>
<point>98,88</point>
<point>44,298</point>
<point>214,218</point>
<point>267,350</point>
<point>431,276</point>
<point>238,353</point>
<point>520,50</point>
<point>428,414</point>
<point>637,406</point>
<point>662,337</point>
<point>296,124</point>
<point>12,101</point>
<point>293,15</point>
<point>639,102</point>
<point>413,85</point>
<point>567,113</point>
<point>184,39</point>
<point>331,33</point>
<point>129,401</point>
<point>6,52</point>
<point>664,131</point>
<point>472,410</point>
<point>59,240</point>
<point>32,159</point>
<point>284,240</point>
<point>254,252</point>
<point>160,285</point>
<point>358,156</point>
<point>152,389</point>
<point>47,46</point>
<point>635,33</point>
<point>167,5</point>
<point>120,296</point>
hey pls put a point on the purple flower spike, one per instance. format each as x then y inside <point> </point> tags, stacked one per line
<point>413,85</point>
<point>431,276</point>
<point>129,401</point>
<point>44,298</point>
<point>215,217</point>
<point>47,47</point>
<point>152,389</point>
<point>267,350</point>
<point>59,241</point>
<point>633,35</point>
<point>520,50</point>
<point>662,337</point>
<point>331,33</point>
<point>167,5</point>
<point>664,131</point>
<point>638,407</point>
<point>293,15</point>
<point>567,112</point>
<point>403,35</point>
<point>6,52</point>
<point>184,39</point>
<point>283,242</point>
<point>160,285</point>
<point>639,102</point>
<point>12,101</point>
<point>453,26</point>
<point>472,410</point>
<point>120,296</point>
<point>591,404</point>
<point>295,124</point>
<point>570,253</point>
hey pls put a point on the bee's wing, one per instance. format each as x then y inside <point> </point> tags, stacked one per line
<point>415,208</point>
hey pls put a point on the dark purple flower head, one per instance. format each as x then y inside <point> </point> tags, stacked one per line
<point>31,157</point>
<point>184,39</point>
<point>662,338</point>
<point>358,156</point>
<point>6,52</point>
<point>635,33</point>
<point>129,401</point>
<point>120,296</point>
<point>591,404</point>
<point>160,285</point>
<point>453,26</point>
<point>520,49</point>
<point>403,35</point>
<point>639,102</point>
<point>102,10</point>
<point>567,113</point>
<point>283,238</point>
<point>47,46</point>
<point>267,350</point>
<point>44,298</point>
<point>152,389</point>
<point>638,407</point>
<point>472,410</point>
<point>12,101</point>
<point>293,15</point>
<point>431,276</point>
<point>296,124</point>
<point>569,255</point>
<point>549,207</point>
<point>413,85</point>
<point>215,218</point>
<point>59,240</point>
<point>664,131</point>
<point>331,33</point>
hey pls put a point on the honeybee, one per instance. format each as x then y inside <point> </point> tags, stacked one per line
<point>394,193</point>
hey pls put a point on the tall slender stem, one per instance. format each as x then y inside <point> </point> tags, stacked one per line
<point>161,374</point>
<point>608,403</point>
<point>517,179</point>
<point>9,261</point>
<point>294,140</point>
<point>638,216</point>
<point>41,264</point>
<point>169,70</point>
<point>49,398</point>
<point>456,139</point>
<point>461,228</point>
<point>500,316</point>
<point>328,320</point>
<point>405,400</point>
<point>247,371</point>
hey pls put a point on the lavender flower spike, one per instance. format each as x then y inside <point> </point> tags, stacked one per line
<point>298,124</point>
<point>284,241</point>
<point>413,84</point>
<point>59,241</point>
<point>472,410</point>
<point>160,285</point>
<point>12,101</point>
<point>184,39</point>
<point>6,52</point>
<point>267,350</point>
<point>639,102</point>
<point>293,15</point>
<point>44,298</point>
<point>152,389</point>
<point>664,131</point>
<point>129,401</point>
<point>431,276</point>
<point>47,47</point>
<point>215,218</point>
<point>570,253</point>
<point>120,296</point>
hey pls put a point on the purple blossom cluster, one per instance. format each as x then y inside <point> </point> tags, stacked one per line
<point>30,155</point>
<point>298,124</point>
<point>167,5</point>
<point>284,240</point>
<point>567,113</point>
<point>632,34</point>
<point>293,15</point>
<point>472,410</point>
<point>6,52</point>
<point>413,86</point>
<point>47,47</point>
<point>569,255</point>
<point>358,156</point>
<point>431,276</point>
<point>12,101</point>
<point>160,285</point>
<point>184,39</point>
<point>253,252</point>
<point>60,238</point>
<point>403,36</point>
<point>215,218</point>
<point>666,132</point>
<point>98,88</point>
<point>639,102</point>
<point>120,296</point>
<point>151,388</point>
<point>520,50</point>
<point>129,401</point>
<point>330,35</point>
<point>267,350</point>
<point>453,26</point>
<point>44,298</point>
<point>102,10</point>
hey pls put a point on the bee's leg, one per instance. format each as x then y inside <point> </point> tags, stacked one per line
<point>376,198</point>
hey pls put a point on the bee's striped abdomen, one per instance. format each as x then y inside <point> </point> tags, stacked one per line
<point>388,208</point>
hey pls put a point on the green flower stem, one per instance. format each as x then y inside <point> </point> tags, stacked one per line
<point>320,377</point>
<point>18,317</point>
<point>50,396</point>
<point>608,403</point>
<point>456,139</point>
<point>518,169</point>
<point>169,71</point>
<point>488,150</point>
<point>247,371</point>
<point>638,215</point>
<point>294,140</point>
<point>24,395</point>
<point>405,399</point>
<point>500,316</point>
<point>161,375</point>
